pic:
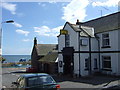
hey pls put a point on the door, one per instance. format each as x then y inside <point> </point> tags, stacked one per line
<point>68,54</point>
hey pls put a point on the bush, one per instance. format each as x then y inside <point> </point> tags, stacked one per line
<point>2,60</point>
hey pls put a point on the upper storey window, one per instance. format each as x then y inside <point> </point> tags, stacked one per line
<point>105,40</point>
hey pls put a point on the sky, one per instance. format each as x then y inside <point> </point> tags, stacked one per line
<point>44,20</point>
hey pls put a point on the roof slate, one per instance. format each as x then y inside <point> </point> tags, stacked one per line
<point>50,57</point>
<point>105,23</point>
<point>102,24</point>
<point>44,49</point>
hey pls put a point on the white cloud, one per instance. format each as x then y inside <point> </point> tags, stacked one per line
<point>26,40</point>
<point>9,6</point>
<point>22,32</point>
<point>46,31</point>
<point>76,9</point>
<point>17,24</point>
<point>42,4</point>
<point>108,3</point>
<point>52,2</point>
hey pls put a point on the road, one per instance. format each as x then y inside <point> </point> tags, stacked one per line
<point>65,82</point>
<point>8,77</point>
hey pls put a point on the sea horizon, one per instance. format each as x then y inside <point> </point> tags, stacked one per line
<point>16,58</point>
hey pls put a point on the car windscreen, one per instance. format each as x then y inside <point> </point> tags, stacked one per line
<point>40,80</point>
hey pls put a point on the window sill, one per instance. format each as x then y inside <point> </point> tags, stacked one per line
<point>106,47</point>
<point>107,69</point>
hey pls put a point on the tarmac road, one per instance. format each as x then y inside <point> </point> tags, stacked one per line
<point>8,77</point>
<point>65,82</point>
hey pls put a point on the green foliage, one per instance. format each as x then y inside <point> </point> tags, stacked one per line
<point>2,59</point>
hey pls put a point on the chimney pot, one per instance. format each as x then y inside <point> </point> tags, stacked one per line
<point>35,41</point>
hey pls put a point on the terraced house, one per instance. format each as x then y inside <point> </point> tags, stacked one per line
<point>88,47</point>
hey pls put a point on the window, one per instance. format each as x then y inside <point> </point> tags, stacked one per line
<point>106,62</point>
<point>40,80</point>
<point>67,40</point>
<point>86,64</point>
<point>95,63</point>
<point>106,40</point>
<point>33,81</point>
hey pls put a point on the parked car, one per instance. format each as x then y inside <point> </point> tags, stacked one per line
<point>111,87</point>
<point>39,81</point>
<point>31,70</point>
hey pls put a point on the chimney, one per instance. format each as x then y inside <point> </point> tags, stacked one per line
<point>35,41</point>
<point>77,23</point>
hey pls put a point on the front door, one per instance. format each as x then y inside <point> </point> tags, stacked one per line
<point>68,61</point>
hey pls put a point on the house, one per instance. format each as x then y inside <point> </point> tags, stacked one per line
<point>88,47</point>
<point>49,62</point>
<point>40,53</point>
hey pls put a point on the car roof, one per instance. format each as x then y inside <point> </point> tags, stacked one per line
<point>33,75</point>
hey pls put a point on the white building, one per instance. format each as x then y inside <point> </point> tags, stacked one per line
<point>89,47</point>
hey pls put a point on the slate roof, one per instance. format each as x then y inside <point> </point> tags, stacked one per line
<point>102,24</point>
<point>50,57</point>
<point>105,23</point>
<point>43,49</point>
<point>85,30</point>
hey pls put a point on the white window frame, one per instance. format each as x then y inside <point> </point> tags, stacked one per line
<point>106,59</point>
<point>105,40</point>
<point>67,40</point>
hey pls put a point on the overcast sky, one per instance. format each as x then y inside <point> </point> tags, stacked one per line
<point>44,20</point>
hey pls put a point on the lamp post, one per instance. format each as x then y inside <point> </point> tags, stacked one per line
<point>9,21</point>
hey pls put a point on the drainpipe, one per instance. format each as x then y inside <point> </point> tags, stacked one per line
<point>79,52</point>
<point>89,55</point>
<point>97,38</point>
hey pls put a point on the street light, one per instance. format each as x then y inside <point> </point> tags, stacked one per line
<point>9,21</point>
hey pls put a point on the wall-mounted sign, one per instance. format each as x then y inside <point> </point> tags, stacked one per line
<point>64,32</point>
<point>84,42</point>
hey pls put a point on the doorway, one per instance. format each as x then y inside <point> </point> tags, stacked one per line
<point>68,54</point>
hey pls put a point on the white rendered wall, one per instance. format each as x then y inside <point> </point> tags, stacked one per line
<point>115,63</point>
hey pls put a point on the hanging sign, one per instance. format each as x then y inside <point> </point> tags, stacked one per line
<point>64,32</point>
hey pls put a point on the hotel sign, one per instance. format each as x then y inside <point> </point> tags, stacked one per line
<point>64,32</point>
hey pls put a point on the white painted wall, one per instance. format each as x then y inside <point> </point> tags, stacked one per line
<point>60,58</point>
<point>83,56</point>
<point>61,45</point>
<point>114,43</point>
<point>73,37</point>
<point>76,63</point>
<point>61,41</point>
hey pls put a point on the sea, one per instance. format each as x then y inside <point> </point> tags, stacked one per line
<point>15,58</point>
